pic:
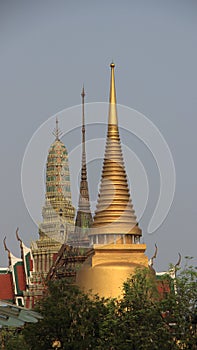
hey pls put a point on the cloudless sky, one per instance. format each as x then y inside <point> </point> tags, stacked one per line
<point>48,49</point>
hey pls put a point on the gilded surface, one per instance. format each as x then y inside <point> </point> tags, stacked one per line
<point>105,271</point>
<point>114,212</point>
<point>115,228</point>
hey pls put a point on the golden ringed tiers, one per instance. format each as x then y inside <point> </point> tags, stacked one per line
<point>114,211</point>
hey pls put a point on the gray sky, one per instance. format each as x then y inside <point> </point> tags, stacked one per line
<point>50,48</point>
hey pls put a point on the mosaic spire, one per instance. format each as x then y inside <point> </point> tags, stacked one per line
<point>114,213</point>
<point>84,216</point>
<point>58,212</point>
<point>57,170</point>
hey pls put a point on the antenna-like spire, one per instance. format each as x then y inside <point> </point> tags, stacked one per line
<point>84,216</point>
<point>57,132</point>
<point>83,133</point>
<point>83,169</point>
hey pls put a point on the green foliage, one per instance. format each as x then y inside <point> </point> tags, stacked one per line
<point>70,317</point>
<point>12,339</point>
<point>180,306</point>
<point>140,324</point>
<point>140,320</point>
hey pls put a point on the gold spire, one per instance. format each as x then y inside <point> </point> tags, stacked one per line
<point>112,99</point>
<point>114,213</point>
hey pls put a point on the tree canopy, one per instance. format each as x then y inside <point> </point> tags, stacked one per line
<point>142,319</point>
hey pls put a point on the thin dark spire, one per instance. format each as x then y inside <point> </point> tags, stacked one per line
<point>84,173</point>
<point>84,216</point>
<point>57,132</point>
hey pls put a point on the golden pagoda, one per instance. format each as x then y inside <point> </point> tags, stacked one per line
<point>115,235</point>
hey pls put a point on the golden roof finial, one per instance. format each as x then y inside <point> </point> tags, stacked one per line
<point>153,257</point>
<point>8,250</point>
<point>113,119</point>
<point>21,242</point>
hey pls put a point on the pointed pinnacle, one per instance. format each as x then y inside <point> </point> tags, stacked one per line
<point>113,120</point>
<point>83,92</point>
<point>57,133</point>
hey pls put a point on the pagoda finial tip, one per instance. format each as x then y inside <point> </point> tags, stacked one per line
<point>83,91</point>
<point>57,133</point>
<point>112,99</point>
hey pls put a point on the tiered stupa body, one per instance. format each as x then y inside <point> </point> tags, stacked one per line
<point>115,234</point>
<point>84,217</point>
<point>58,216</point>
<point>58,212</point>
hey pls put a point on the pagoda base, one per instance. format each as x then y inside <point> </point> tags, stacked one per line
<point>108,266</point>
